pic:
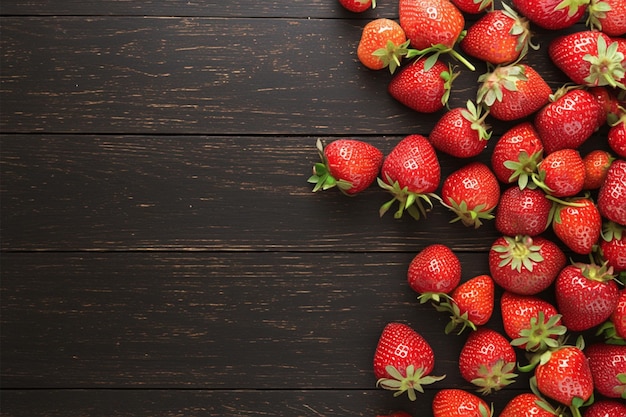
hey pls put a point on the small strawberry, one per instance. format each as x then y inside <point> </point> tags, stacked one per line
<point>411,173</point>
<point>561,173</point>
<point>513,92</point>
<point>461,131</point>
<point>586,295</point>
<point>351,165</point>
<point>577,224</point>
<point>358,6</point>
<point>589,58</point>
<point>471,193</point>
<point>470,304</point>
<point>606,408</point>
<point>608,16</point>
<point>473,6</point>
<point>499,37</point>
<point>430,22</point>
<point>532,323</point>
<point>522,212</point>
<point>528,404</point>
<point>552,14</point>
<point>487,360</point>
<point>434,270</point>
<point>568,120</point>
<point>612,194</point>
<point>617,136</point>
<point>525,265</point>
<point>612,246</point>
<point>403,361</point>
<point>424,85</point>
<point>516,154</point>
<point>383,44</point>
<point>597,164</point>
<point>608,368</point>
<point>453,402</point>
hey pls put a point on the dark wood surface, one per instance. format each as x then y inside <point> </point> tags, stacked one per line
<point>162,252</point>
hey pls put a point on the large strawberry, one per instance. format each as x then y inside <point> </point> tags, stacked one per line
<point>487,360</point>
<point>568,120</point>
<point>525,265</point>
<point>528,404</point>
<point>606,408</point>
<point>403,360</point>
<point>597,164</point>
<point>434,270</point>
<point>358,6</point>
<point>383,44</point>
<point>608,367</point>
<point>578,224</point>
<point>470,304</point>
<point>552,14</point>
<point>609,16</point>
<point>431,22</point>
<point>589,58</point>
<point>471,193</point>
<point>461,131</point>
<point>522,211</point>
<point>532,323</point>
<point>513,92</point>
<point>561,173</point>
<point>612,194</point>
<point>411,173</point>
<point>351,165</point>
<point>453,402</point>
<point>516,154</point>
<point>586,295</point>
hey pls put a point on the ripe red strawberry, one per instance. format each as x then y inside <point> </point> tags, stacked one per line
<point>516,154</point>
<point>358,6</point>
<point>522,212</point>
<point>396,414</point>
<point>597,164</point>
<point>614,329</point>
<point>471,193</point>
<point>499,37</point>
<point>470,304</point>
<point>383,44</point>
<point>561,173</point>
<point>578,225</point>
<point>569,120</point>
<point>461,131</point>
<point>608,102</point>
<point>421,86</point>
<point>612,194</point>
<point>606,408</point>
<point>434,270</point>
<point>608,368</point>
<point>525,265</point>
<point>589,58</point>
<point>473,6</point>
<point>532,323</point>
<point>528,404</point>
<point>351,165</point>
<point>612,246</point>
<point>609,16</point>
<point>552,14</point>
<point>403,361</point>
<point>452,402</point>
<point>487,360</point>
<point>586,295</point>
<point>430,22</point>
<point>617,136</point>
<point>411,173</point>
<point>513,92</point>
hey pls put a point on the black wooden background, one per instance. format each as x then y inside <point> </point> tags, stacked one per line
<point>162,251</point>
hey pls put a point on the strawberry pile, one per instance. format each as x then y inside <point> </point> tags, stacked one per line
<point>561,212</point>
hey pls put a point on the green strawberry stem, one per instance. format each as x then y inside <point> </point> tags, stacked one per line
<point>439,49</point>
<point>538,337</point>
<point>457,320</point>
<point>557,205</point>
<point>410,383</point>
<point>408,201</point>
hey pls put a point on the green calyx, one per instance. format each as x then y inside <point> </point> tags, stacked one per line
<point>410,383</point>
<point>392,54</point>
<point>458,320</point>
<point>540,335</point>
<point>495,378</point>
<point>608,331</point>
<point>595,272</point>
<point>475,115</point>
<point>412,203</point>
<point>519,251</point>
<point>521,29</point>
<point>322,178</point>
<point>524,169</point>
<point>469,217</point>
<point>571,5</point>
<point>606,67</point>
<point>494,82</point>
<point>596,13</point>
<point>612,230</point>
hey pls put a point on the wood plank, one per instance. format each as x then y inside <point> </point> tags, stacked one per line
<point>183,76</point>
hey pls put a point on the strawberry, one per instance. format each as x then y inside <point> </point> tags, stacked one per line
<point>561,173</point>
<point>525,265</point>
<point>597,164</point>
<point>470,304</point>
<point>473,6</point>
<point>499,37</point>
<point>608,16</point>
<point>617,136</point>
<point>589,58</point>
<point>513,92</point>
<point>516,154</point>
<point>411,173</point>
<point>552,14</point>
<point>430,22</point>
<point>471,193</point>
<point>403,361</point>
<point>522,212</point>
<point>487,360</point>
<point>435,269</point>
<point>423,85</point>
<point>608,368</point>
<point>382,44</point>
<point>528,404</point>
<point>351,165</point>
<point>606,408</point>
<point>577,224</point>
<point>608,102</point>
<point>612,246</point>
<point>586,295</point>
<point>568,120</point>
<point>452,402</point>
<point>358,6</point>
<point>461,131</point>
<point>532,323</point>
<point>612,194</point>
<point>614,329</point>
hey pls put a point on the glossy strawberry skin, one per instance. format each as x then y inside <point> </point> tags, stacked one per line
<point>563,172</point>
<point>543,13</point>
<point>524,405</point>
<point>471,6</point>
<point>413,163</point>
<point>356,6</point>
<point>521,139</point>
<point>597,164</point>
<point>578,227</point>
<point>617,138</point>
<point>606,363</point>
<point>400,346</point>
<point>611,22</point>
<point>419,88</point>
<point>614,252</point>
<point>522,212</point>
<point>618,317</point>
<point>476,298</point>
<point>452,402</point>
<point>612,194</point>
<point>430,22</point>
<point>606,408</point>
<point>453,134</point>
<point>436,269</point>
<point>565,375</point>
<point>375,36</point>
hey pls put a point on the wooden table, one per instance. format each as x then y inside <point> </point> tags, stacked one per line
<point>162,251</point>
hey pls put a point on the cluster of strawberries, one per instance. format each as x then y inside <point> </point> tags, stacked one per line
<point>547,184</point>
